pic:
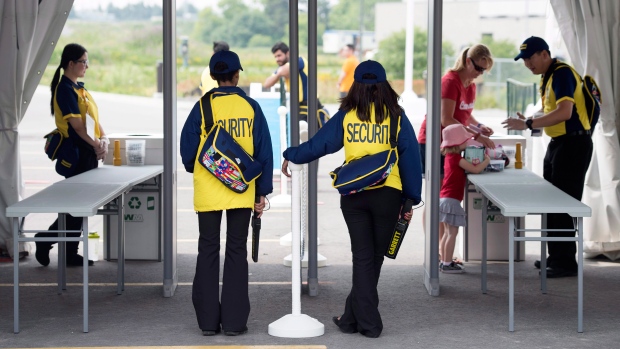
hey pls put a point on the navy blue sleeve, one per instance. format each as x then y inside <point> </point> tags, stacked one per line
<point>263,152</point>
<point>409,164</point>
<point>67,100</point>
<point>190,138</point>
<point>564,84</point>
<point>328,140</point>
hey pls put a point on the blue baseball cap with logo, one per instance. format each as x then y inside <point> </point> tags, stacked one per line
<point>530,46</point>
<point>229,57</point>
<point>369,67</point>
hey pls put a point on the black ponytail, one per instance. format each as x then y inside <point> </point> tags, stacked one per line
<point>53,85</point>
<point>71,52</point>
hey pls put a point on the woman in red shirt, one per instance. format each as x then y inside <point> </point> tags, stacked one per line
<point>458,96</point>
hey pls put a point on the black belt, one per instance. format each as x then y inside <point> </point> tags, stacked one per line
<point>575,133</point>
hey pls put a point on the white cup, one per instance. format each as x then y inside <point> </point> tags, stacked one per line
<point>135,151</point>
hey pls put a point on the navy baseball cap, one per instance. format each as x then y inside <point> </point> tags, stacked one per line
<point>530,46</point>
<point>229,57</point>
<point>369,67</point>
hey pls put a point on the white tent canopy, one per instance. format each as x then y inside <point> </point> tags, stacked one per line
<point>591,29</point>
<point>29,30</point>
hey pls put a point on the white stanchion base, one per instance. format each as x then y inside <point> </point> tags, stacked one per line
<point>287,239</point>
<point>280,200</point>
<point>321,261</point>
<point>296,326</point>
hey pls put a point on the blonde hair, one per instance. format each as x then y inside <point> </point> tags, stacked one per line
<point>476,52</point>
<point>455,149</point>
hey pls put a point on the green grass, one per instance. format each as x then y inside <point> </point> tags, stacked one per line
<point>123,59</point>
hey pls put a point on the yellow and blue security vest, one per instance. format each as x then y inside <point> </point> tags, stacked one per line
<point>368,138</point>
<point>564,84</point>
<point>364,138</point>
<point>243,119</point>
<point>303,81</point>
<point>72,100</point>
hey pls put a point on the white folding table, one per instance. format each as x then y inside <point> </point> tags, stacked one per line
<point>518,193</point>
<point>79,196</point>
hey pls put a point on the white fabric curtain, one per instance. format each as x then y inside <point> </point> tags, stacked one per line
<point>29,30</point>
<point>591,32</point>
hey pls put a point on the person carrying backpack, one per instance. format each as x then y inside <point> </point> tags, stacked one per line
<point>225,110</point>
<point>567,121</point>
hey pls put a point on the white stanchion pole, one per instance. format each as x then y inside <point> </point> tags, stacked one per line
<point>286,239</point>
<point>282,199</point>
<point>296,324</point>
<point>288,260</point>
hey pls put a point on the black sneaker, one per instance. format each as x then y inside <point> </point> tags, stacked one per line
<point>554,273</point>
<point>210,333</point>
<point>76,260</point>
<point>537,264</point>
<point>42,253</point>
<point>236,333</point>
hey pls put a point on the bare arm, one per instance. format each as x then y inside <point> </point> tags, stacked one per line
<point>341,77</point>
<point>447,118</point>
<point>282,71</point>
<point>471,168</point>
<point>487,131</point>
<point>447,112</point>
<point>562,112</point>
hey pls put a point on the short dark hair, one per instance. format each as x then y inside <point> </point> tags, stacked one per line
<point>352,47</point>
<point>221,66</point>
<point>279,46</point>
<point>220,46</point>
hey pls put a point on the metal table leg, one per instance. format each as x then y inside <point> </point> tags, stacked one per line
<point>543,255</point>
<point>511,274</point>
<point>120,282</point>
<point>62,254</point>
<point>15,275</point>
<point>485,203</point>
<point>580,276</point>
<point>85,266</point>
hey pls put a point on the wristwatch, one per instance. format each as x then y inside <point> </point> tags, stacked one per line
<point>528,123</point>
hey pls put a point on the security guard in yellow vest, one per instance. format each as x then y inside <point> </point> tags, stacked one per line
<point>243,119</point>
<point>282,55</point>
<point>569,153</point>
<point>362,127</point>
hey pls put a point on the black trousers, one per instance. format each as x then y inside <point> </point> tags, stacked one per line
<point>87,162</point>
<point>371,217</point>
<point>234,309</point>
<point>566,162</point>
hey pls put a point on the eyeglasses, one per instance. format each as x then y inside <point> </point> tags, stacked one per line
<point>85,61</point>
<point>478,68</point>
